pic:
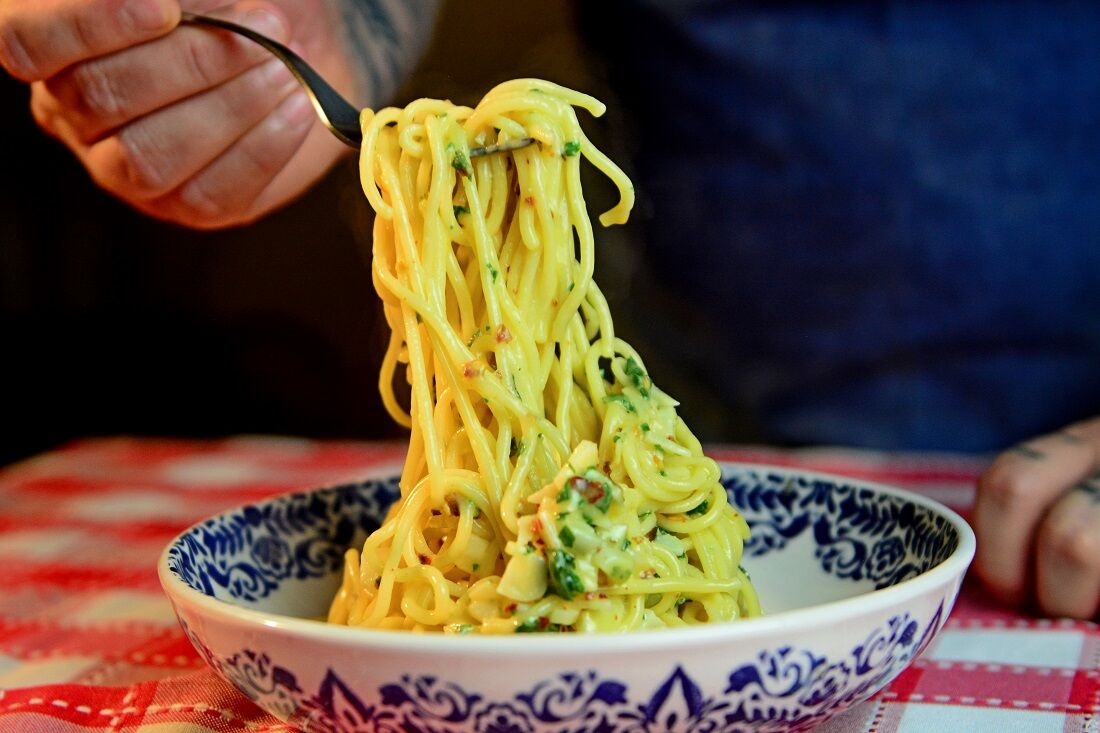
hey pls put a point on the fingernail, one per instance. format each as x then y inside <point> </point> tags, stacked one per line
<point>147,15</point>
<point>297,110</point>
<point>267,22</point>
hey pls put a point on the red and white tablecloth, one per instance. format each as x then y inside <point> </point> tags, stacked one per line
<point>88,641</point>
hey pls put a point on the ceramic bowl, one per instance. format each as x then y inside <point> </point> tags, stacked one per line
<point>856,580</point>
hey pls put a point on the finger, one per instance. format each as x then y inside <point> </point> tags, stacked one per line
<point>1068,555</point>
<point>157,153</point>
<point>224,192</point>
<point>102,94</point>
<point>1014,493</point>
<point>38,38</point>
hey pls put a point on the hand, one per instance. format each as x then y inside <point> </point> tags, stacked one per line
<point>187,124</point>
<point>1037,519</point>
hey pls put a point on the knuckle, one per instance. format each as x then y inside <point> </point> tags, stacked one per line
<point>1071,545</point>
<point>96,92</point>
<point>258,157</point>
<point>202,203</point>
<point>198,63</point>
<point>143,165</point>
<point>15,55</point>
<point>1004,486</point>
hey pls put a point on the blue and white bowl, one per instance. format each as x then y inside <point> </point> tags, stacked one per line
<point>856,580</point>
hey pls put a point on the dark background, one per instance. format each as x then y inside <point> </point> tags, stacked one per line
<point>114,323</point>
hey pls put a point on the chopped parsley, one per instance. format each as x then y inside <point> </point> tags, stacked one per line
<point>622,400</point>
<point>571,148</point>
<point>645,427</point>
<point>460,162</point>
<point>637,375</point>
<point>699,510</point>
<point>460,210</point>
<point>518,446</point>
<point>564,580</point>
<point>493,272</point>
<point>567,537</point>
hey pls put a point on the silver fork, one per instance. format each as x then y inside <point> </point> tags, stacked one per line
<point>336,113</point>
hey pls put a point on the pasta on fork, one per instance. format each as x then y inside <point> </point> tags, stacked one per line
<point>549,484</point>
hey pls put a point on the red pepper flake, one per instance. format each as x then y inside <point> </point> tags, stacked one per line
<point>543,623</point>
<point>536,526</point>
<point>510,609</point>
<point>503,334</point>
<point>424,559</point>
<point>471,369</point>
<point>554,303</point>
<point>592,491</point>
<point>530,200</point>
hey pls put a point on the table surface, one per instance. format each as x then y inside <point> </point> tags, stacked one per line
<point>89,642</point>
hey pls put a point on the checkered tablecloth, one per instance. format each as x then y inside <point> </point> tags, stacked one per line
<point>88,642</point>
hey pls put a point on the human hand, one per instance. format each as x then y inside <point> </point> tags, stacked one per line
<point>1037,519</point>
<point>187,124</point>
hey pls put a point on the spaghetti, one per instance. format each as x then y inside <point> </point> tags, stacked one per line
<point>549,484</point>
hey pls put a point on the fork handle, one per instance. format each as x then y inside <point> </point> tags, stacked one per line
<point>337,114</point>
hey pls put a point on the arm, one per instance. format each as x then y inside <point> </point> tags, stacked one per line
<point>199,127</point>
<point>1037,518</point>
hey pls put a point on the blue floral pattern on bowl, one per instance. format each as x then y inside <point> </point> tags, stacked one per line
<point>245,554</point>
<point>783,690</point>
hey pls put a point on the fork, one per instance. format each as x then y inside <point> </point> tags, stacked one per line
<point>336,113</point>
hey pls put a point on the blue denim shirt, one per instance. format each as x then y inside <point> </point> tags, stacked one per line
<point>887,214</point>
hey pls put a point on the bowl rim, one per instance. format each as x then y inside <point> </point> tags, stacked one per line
<point>951,570</point>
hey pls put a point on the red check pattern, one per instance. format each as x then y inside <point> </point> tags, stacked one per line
<point>88,642</point>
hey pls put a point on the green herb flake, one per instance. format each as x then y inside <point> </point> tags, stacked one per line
<point>567,537</point>
<point>517,448</point>
<point>476,567</point>
<point>681,601</point>
<point>637,375</point>
<point>493,272</point>
<point>563,574</point>
<point>645,427</point>
<point>571,148</point>
<point>699,510</point>
<point>626,544</point>
<point>746,572</point>
<point>622,400</point>
<point>460,162</point>
<point>460,210</point>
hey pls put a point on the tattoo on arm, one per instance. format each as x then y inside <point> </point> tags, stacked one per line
<point>385,39</point>
<point>1090,487</point>
<point>1026,451</point>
